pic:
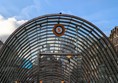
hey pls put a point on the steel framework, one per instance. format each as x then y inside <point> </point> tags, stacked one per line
<point>33,53</point>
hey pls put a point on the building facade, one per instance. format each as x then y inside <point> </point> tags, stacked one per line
<point>114,37</point>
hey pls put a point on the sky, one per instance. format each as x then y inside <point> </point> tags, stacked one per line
<point>13,13</point>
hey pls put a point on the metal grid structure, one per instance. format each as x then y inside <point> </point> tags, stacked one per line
<point>82,55</point>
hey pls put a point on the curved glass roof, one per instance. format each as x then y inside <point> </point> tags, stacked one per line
<point>33,53</point>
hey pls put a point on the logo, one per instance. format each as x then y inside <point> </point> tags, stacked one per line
<point>58,30</point>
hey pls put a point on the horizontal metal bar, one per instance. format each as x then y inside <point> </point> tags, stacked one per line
<point>43,53</point>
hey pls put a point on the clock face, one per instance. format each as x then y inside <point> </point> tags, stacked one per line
<point>59,30</point>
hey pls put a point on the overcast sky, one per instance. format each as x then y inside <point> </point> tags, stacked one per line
<point>13,13</point>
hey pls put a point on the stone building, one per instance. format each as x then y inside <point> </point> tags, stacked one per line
<point>114,37</point>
